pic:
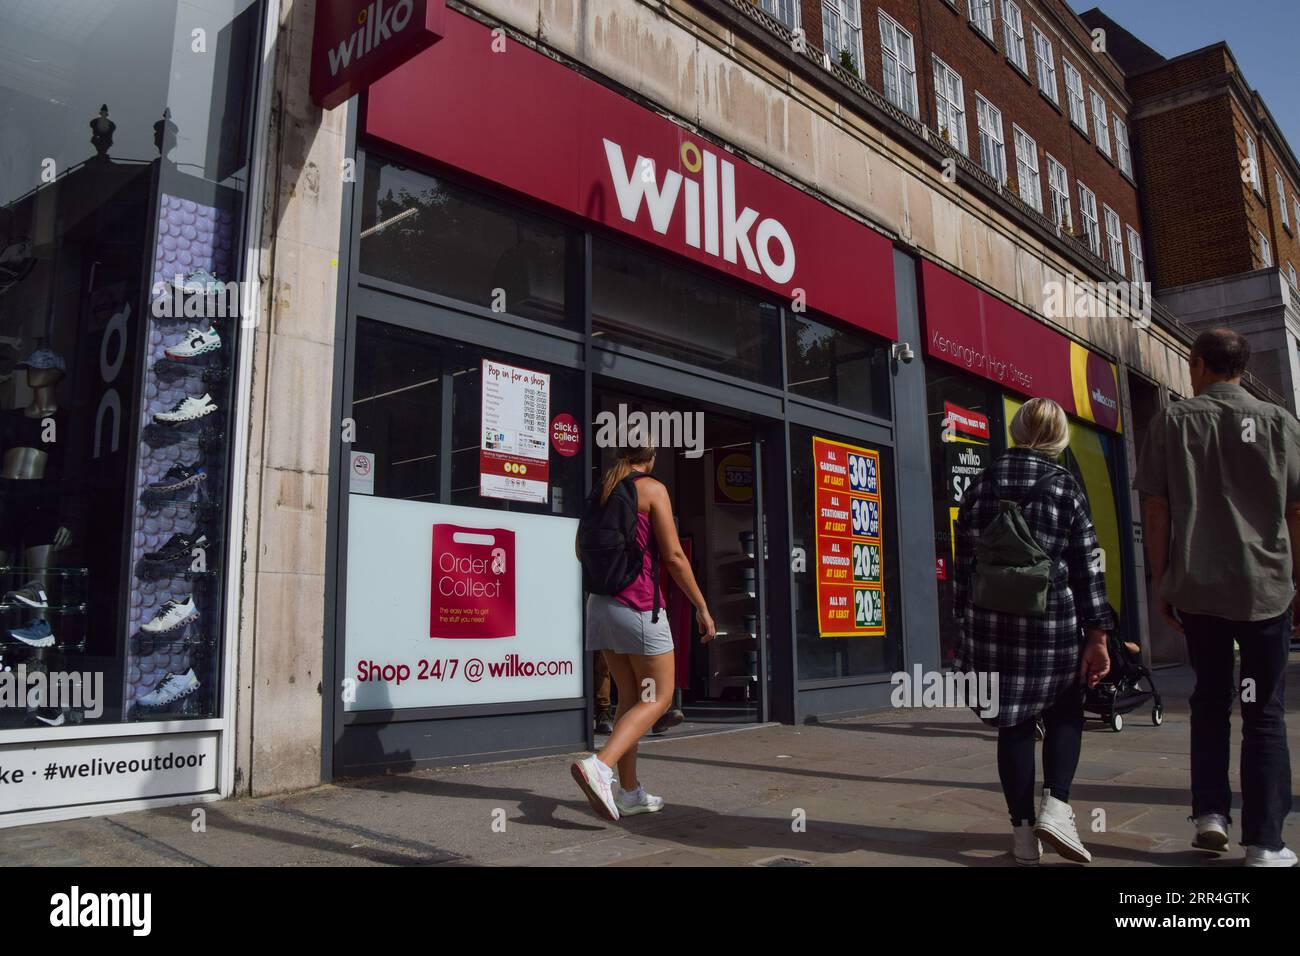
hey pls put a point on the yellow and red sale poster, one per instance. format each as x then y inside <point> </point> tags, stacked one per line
<point>850,552</point>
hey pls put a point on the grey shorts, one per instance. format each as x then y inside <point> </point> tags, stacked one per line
<point>613,626</point>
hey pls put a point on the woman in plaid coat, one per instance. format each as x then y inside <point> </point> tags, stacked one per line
<point>1041,663</point>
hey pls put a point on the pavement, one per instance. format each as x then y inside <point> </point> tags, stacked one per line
<point>894,788</point>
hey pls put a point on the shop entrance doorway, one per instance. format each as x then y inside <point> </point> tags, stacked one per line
<point>711,463</point>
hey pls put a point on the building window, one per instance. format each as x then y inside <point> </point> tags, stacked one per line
<point>981,14</point>
<point>1281,198</point>
<point>900,64</point>
<point>1046,63</point>
<point>1265,250</point>
<point>1295,207</point>
<point>1058,185</point>
<point>1290,274</point>
<point>1013,31</point>
<point>1114,239</point>
<point>1121,146</point>
<point>993,153</point>
<point>787,11</point>
<point>1252,163</point>
<point>1074,93</point>
<point>950,104</point>
<point>1099,121</point>
<point>1137,266</point>
<point>1088,209</point>
<point>842,32</point>
<point>1031,190</point>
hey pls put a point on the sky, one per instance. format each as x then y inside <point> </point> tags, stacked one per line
<point>1264,36</point>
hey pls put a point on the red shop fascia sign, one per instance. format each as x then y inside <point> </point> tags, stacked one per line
<point>514,117</point>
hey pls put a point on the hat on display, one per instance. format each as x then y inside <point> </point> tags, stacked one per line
<point>43,358</point>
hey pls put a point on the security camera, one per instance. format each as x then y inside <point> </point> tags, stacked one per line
<point>902,352</point>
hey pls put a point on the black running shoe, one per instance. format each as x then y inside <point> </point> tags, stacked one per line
<point>177,548</point>
<point>179,476</point>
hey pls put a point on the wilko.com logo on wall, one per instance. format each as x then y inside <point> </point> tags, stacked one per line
<point>713,222</point>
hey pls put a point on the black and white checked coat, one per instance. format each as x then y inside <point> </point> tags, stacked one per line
<point>1035,658</point>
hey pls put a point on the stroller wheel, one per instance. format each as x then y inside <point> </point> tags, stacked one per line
<point>1116,722</point>
<point>1157,715</point>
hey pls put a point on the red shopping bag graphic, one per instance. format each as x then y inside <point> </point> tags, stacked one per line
<point>472,594</point>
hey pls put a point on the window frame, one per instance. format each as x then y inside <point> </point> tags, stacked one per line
<point>1136,261</point>
<point>1114,239</point>
<point>858,54</point>
<point>1252,156</point>
<point>1265,250</point>
<point>943,75</point>
<point>971,6</point>
<point>1014,41</point>
<point>1093,234</point>
<point>1100,121</point>
<point>1281,191</point>
<point>1017,134</point>
<point>774,12</point>
<point>886,52</point>
<point>1081,120</point>
<point>1053,93</point>
<point>1060,197</point>
<point>982,108</point>
<point>1123,152</point>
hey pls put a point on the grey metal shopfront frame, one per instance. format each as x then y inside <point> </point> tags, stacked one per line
<point>464,734</point>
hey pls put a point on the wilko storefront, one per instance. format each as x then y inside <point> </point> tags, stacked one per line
<point>529,274</point>
<point>985,358</point>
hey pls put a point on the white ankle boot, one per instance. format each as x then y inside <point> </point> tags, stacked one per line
<point>1026,849</point>
<point>1055,827</point>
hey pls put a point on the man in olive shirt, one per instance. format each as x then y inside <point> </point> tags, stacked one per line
<point>1221,472</point>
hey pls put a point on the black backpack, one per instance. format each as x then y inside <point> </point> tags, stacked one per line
<point>607,545</point>
<point>1012,572</point>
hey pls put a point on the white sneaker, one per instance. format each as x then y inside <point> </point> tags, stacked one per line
<point>196,342</point>
<point>1026,848</point>
<point>1055,827</point>
<point>1258,856</point>
<point>171,689</point>
<point>188,409</point>
<point>632,802</point>
<point>1211,832</point>
<point>170,616</point>
<point>596,781</point>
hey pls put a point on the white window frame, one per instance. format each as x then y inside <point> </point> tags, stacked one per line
<point>1013,35</point>
<point>1122,152</point>
<point>1281,192</point>
<point>1295,208</point>
<point>1091,221</point>
<point>1136,264</point>
<point>1074,95</point>
<point>842,29</point>
<point>1101,134</point>
<point>950,104</point>
<point>1026,171</point>
<point>1114,239</point>
<point>1265,250</point>
<point>1045,65</point>
<point>1253,158</point>
<point>1291,277</point>
<point>992,142</point>
<point>774,7</point>
<point>981,14</point>
<point>900,70</point>
<point>1058,187</point>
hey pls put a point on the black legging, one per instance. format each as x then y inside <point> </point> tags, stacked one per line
<point>1061,745</point>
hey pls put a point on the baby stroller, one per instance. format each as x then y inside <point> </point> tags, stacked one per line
<point>1127,687</point>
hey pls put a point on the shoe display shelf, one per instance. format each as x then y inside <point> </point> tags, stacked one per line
<point>66,592</point>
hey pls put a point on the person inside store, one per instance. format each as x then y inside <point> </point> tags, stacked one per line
<point>1221,476</point>
<point>1030,603</point>
<point>630,629</point>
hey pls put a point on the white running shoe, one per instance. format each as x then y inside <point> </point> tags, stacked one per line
<point>596,781</point>
<point>1211,832</point>
<point>632,802</point>
<point>1026,848</point>
<point>171,689</point>
<point>196,342</point>
<point>1258,856</point>
<point>170,616</point>
<point>188,409</point>
<point>1055,827</point>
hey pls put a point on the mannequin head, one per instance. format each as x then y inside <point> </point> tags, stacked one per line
<point>44,377</point>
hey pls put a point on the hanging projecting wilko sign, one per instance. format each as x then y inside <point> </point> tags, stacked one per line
<point>358,41</point>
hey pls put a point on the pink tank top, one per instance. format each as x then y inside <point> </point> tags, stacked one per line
<point>640,594</point>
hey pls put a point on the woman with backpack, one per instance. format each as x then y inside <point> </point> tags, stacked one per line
<point>1030,601</point>
<point>626,530</point>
